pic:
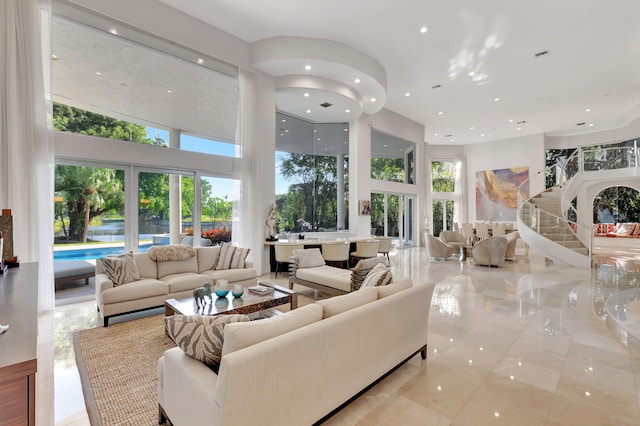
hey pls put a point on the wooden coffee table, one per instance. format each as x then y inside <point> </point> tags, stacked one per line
<point>247,304</point>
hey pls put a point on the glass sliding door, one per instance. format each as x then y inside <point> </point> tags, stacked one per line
<point>165,207</point>
<point>393,215</point>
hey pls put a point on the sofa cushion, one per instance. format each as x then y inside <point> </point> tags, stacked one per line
<point>231,275</point>
<point>231,257</point>
<point>240,335</point>
<point>141,289</point>
<point>121,269</point>
<point>146,267</point>
<point>369,263</point>
<point>201,337</point>
<point>378,276</point>
<point>207,258</point>
<point>394,287</point>
<point>170,267</point>
<point>339,304</point>
<point>171,252</point>
<point>308,258</point>
<point>329,276</point>
<point>185,281</point>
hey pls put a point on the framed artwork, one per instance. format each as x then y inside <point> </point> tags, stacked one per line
<point>364,207</point>
<point>497,193</point>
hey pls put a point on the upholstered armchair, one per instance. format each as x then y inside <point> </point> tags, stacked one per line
<point>452,239</point>
<point>490,251</point>
<point>437,249</point>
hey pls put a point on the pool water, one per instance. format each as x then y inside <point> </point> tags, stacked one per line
<point>89,253</point>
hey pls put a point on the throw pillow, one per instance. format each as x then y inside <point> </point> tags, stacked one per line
<point>231,257</point>
<point>201,337</point>
<point>309,258</point>
<point>121,269</point>
<point>378,276</point>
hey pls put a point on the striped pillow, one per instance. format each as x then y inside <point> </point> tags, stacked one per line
<point>231,257</point>
<point>201,337</point>
<point>378,276</point>
<point>121,269</point>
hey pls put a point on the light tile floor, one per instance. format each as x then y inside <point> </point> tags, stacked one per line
<point>525,344</point>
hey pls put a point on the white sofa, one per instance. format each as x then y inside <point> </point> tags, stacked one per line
<point>160,281</point>
<point>299,367</point>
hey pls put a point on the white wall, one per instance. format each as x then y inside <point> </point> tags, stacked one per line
<point>525,151</point>
<point>594,138</point>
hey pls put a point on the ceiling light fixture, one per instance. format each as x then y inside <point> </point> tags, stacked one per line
<point>423,30</point>
<point>471,74</point>
<point>482,134</point>
<point>519,128</point>
<point>98,73</point>
<point>511,120</point>
<point>200,61</point>
<point>347,111</point>
<point>384,146</point>
<point>307,67</point>
<point>435,134</point>
<point>373,99</point>
<point>357,80</point>
<point>407,94</point>
<point>440,112</point>
<point>169,91</point>
<point>471,128</point>
<point>453,140</point>
<point>54,57</point>
<point>587,110</point>
<point>346,130</point>
<point>284,121</point>
<point>590,124</point>
<point>306,94</point>
<point>308,111</point>
<point>113,31</point>
<point>496,99</point>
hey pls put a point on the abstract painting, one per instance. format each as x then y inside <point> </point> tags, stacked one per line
<point>497,193</point>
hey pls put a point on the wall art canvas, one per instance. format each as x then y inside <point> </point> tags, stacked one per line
<point>497,193</point>
<point>364,207</point>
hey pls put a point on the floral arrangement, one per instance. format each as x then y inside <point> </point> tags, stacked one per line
<point>216,235</point>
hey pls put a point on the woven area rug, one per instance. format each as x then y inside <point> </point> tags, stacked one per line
<point>118,371</point>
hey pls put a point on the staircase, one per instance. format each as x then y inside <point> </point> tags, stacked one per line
<point>543,227</point>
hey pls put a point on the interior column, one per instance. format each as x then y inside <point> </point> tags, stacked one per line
<point>175,195</point>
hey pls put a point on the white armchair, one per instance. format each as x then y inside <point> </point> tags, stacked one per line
<point>437,249</point>
<point>490,251</point>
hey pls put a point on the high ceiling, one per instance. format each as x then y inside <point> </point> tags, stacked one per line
<point>479,72</point>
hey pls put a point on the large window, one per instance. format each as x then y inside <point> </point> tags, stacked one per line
<point>311,175</point>
<point>617,204</point>
<point>392,158</point>
<point>444,194</point>
<point>103,75</point>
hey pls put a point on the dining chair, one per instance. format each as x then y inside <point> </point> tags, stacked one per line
<point>336,252</point>
<point>482,230</point>
<point>284,252</point>
<point>365,249</point>
<point>468,234</point>
<point>385,246</point>
<point>498,230</point>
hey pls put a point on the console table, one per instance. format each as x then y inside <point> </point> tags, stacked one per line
<point>18,345</point>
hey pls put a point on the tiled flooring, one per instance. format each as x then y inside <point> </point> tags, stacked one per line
<point>525,344</point>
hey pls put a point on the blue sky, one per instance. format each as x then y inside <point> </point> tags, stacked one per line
<point>221,187</point>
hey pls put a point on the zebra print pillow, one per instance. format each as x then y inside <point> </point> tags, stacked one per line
<point>121,269</point>
<point>201,337</point>
<point>231,257</point>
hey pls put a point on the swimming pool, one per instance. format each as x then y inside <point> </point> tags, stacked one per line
<point>89,253</point>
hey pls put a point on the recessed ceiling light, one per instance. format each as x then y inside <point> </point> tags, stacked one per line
<point>440,113</point>
<point>281,134</point>
<point>318,139</point>
<point>169,91</point>
<point>590,124</point>
<point>113,31</point>
<point>307,67</point>
<point>587,110</point>
<point>496,99</point>
<point>357,80</point>
<point>346,130</point>
<point>98,73</point>
<point>435,134</point>
<point>401,149</point>
<point>519,128</point>
<point>347,111</point>
<point>471,74</point>
<point>286,130</point>
<point>453,140</point>
<point>511,120</point>
<point>54,57</point>
<point>481,134</point>
<point>423,30</point>
<point>284,121</point>
<point>345,142</point>
<point>471,128</point>
<point>308,111</point>
<point>326,149</point>
<point>373,99</point>
<point>407,94</point>
<point>306,95</point>
<point>384,146</point>
<point>200,61</point>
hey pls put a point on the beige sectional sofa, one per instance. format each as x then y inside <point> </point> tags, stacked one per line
<point>162,280</point>
<point>299,367</point>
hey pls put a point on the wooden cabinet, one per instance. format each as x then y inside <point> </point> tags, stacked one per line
<point>18,345</point>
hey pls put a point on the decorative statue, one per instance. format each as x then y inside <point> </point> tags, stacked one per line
<point>200,293</point>
<point>270,222</point>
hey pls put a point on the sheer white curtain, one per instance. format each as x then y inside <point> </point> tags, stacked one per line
<point>26,155</point>
<point>460,199</point>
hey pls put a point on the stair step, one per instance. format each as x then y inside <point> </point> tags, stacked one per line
<point>584,251</point>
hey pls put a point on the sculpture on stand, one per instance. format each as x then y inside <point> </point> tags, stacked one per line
<point>270,222</point>
<point>200,295</point>
<point>6,229</point>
